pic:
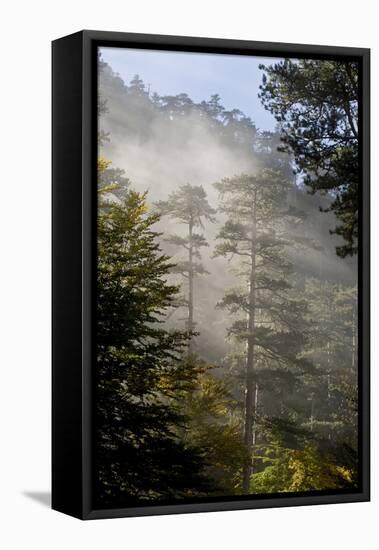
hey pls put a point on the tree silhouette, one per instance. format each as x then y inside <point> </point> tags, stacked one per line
<point>138,454</point>
<point>272,326</point>
<point>316,105</point>
<point>189,206</point>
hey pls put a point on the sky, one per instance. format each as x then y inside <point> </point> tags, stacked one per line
<point>235,78</point>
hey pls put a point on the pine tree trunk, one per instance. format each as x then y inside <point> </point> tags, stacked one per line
<point>190,288</point>
<point>250,382</point>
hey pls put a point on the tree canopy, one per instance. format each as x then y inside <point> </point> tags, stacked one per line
<point>316,106</point>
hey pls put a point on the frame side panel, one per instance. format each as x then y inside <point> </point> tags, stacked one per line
<point>67,276</point>
<point>365,279</point>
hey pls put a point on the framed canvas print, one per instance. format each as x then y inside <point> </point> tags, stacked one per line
<point>210,274</point>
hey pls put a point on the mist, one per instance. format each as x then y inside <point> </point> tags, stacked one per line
<point>160,152</point>
<point>231,309</point>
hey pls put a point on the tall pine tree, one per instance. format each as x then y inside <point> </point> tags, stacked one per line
<point>316,105</point>
<point>267,317</point>
<point>189,206</point>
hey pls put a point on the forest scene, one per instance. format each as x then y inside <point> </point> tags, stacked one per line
<point>227,241</point>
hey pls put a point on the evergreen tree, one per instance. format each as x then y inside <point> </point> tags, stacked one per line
<point>316,104</point>
<point>257,231</point>
<point>176,106</point>
<point>138,454</point>
<point>137,86</point>
<point>214,107</point>
<point>332,348</point>
<point>311,443</point>
<point>111,180</point>
<point>189,206</point>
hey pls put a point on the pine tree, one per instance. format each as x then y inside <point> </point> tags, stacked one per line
<point>214,107</point>
<point>316,104</point>
<point>312,443</point>
<point>257,232</point>
<point>189,206</point>
<point>176,106</point>
<point>332,348</point>
<point>137,86</point>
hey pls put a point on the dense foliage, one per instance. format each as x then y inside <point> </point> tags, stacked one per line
<point>139,456</point>
<point>254,388</point>
<point>316,105</point>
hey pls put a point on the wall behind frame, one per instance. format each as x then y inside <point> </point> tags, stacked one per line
<point>25,244</point>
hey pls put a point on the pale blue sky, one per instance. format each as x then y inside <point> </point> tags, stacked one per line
<point>235,78</point>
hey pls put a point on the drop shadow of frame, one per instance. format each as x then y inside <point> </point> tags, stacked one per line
<point>41,497</point>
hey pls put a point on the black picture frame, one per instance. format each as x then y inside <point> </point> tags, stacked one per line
<point>74,154</point>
